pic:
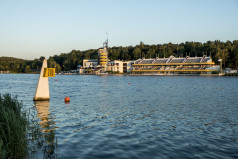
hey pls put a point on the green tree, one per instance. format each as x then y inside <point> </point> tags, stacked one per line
<point>222,54</point>
<point>52,64</point>
<point>136,53</point>
<point>27,69</point>
<point>41,58</point>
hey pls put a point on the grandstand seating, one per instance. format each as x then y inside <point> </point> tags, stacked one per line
<point>157,68</point>
<point>192,68</point>
<point>172,68</point>
<point>193,60</point>
<point>207,59</point>
<point>177,60</point>
<point>173,65</point>
<point>145,68</point>
<point>161,60</point>
<point>137,61</point>
<point>146,61</point>
<point>179,68</point>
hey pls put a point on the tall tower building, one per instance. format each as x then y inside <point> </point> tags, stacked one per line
<point>103,56</point>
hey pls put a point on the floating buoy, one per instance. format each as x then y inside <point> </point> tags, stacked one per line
<point>67,99</point>
<point>129,83</point>
<point>56,80</point>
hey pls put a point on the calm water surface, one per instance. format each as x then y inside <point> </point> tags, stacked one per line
<point>153,117</point>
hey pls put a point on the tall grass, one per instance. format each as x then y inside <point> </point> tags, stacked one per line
<point>13,125</point>
<point>21,135</point>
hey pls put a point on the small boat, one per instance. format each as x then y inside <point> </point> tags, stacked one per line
<point>102,73</point>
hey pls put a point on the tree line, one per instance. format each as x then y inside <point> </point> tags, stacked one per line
<point>227,51</point>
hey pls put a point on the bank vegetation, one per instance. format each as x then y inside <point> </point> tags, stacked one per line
<point>227,51</point>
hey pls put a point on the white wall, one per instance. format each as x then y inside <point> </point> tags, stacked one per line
<point>115,66</point>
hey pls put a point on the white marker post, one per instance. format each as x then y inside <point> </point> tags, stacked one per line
<point>42,90</point>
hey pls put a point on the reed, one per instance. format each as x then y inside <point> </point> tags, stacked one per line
<point>21,135</point>
<point>13,124</point>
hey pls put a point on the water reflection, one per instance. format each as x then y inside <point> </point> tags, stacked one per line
<point>43,113</point>
<point>47,126</point>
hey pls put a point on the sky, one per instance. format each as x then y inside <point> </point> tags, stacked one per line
<point>33,28</point>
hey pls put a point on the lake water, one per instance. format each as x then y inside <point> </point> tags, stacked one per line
<point>152,117</point>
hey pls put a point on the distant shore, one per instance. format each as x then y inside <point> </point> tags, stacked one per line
<point>129,74</point>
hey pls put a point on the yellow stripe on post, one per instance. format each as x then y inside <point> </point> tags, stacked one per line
<point>49,72</point>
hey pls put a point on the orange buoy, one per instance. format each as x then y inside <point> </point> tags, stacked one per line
<point>67,99</point>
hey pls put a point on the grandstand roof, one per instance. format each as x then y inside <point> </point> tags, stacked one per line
<point>173,60</point>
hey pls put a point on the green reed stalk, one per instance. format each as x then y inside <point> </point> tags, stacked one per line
<point>20,133</point>
<point>13,124</point>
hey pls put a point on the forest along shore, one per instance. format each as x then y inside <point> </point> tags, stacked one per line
<point>227,51</point>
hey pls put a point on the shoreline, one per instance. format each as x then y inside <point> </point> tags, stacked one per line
<point>129,74</point>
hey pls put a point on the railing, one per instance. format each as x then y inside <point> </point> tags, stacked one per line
<point>207,63</point>
<point>172,70</point>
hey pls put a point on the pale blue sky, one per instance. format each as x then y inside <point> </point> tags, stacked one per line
<point>33,28</point>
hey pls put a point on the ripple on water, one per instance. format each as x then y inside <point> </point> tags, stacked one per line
<point>153,117</point>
